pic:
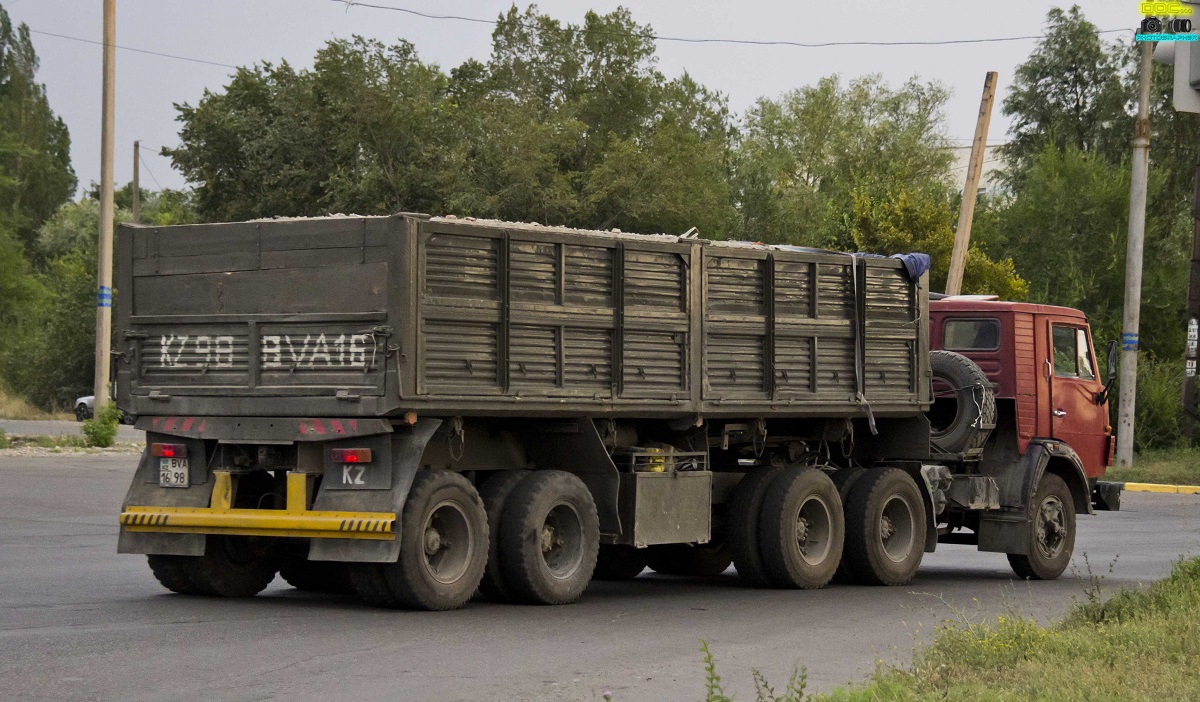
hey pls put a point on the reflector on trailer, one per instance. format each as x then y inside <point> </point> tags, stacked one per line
<point>351,455</point>
<point>168,450</point>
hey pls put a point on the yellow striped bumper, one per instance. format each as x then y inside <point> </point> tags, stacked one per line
<point>294,520</point>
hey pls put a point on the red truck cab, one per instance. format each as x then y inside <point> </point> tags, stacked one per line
<point>1042,365</point>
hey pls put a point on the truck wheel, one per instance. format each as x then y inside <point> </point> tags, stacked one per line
<point>801,529</point>
<point>232,566</point>
<point>620,562</point>
<point>316,576</point>
<point>494,493</point>
<point>695,560</point>
<point>885,527</point>
<point>443,548</point>
<point>963,413</point>
<point>844,480</point>
<point>550,538</point>
<point>744,510</point>
<point>1051,532</point>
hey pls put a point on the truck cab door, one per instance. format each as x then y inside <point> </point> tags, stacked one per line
<point>1075,418</point>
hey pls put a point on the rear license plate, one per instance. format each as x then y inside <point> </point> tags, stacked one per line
<point>173,472</point>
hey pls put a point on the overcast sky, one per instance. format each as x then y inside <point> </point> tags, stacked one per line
<point>241,32</point>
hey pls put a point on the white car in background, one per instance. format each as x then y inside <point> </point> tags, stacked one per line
<point>85,408</point>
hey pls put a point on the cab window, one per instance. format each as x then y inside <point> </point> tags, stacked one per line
<point>1072,355</point>
<point>971,335</point>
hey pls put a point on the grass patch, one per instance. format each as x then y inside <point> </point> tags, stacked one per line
<point>1138,644</point>
<point>1169,466</point>
<point>56,441</point>
<point>14,407</point>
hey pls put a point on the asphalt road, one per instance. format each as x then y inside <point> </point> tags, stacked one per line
<point>79,622</point>
<point>22,427</point>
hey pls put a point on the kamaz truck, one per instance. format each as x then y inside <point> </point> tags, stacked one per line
<point>422,410</point>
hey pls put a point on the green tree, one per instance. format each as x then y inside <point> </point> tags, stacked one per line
<point>861,167</point>
<point>1066,232</point>
<point>35,165</point>
<point>1068,93</point>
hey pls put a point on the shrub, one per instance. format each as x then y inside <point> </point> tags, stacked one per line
<point>1159,404</point>
<point>5,442</point>
<point>101,430</point>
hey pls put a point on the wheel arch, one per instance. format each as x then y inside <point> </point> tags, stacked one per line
<point>1061,460</point>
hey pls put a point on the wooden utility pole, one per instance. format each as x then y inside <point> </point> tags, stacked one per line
<point>104,263</point>
<point>1133,264</point>
<point>137,191</point>
<point>1191,403</point>
<point>962,235</point>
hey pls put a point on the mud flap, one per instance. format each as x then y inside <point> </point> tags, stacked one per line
<point>408,445</point>
<point>144,490</point>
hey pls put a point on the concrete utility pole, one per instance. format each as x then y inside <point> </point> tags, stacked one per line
<point>962,235</point>
<point>1192,354</point>
<point>1133,264</point>
<point>137,191</point>
<point>104,267</point>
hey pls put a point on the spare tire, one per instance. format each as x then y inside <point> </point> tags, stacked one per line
<point>963,413</point>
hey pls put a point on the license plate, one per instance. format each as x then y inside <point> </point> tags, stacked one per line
<point>173,472</point>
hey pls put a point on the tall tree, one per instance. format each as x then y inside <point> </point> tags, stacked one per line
<point>1068,93</point>
<point>35,163</point>
<point>859,166</point>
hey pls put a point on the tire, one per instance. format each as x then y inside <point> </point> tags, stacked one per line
<point>844,480</point>
<point>443,548</point>
<point>316,576</point>
<point>801,529</point>
<point>82,412</point>
<point>964,417</point>
<point>1051,532</point>
<point>620,562</point>
<point>885,499</point>
<point>550,538</point>
<point>494,493</point>
<point>744,510</point>
<point>693,560</point>
<point>232,566</point>
<point>176,573</point>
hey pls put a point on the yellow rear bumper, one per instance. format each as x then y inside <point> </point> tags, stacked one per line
<point>294,520</point>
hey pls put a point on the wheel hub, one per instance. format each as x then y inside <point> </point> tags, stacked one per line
<point>433,542</point>
<point>1051,528</point>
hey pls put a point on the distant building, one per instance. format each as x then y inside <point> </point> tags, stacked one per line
<point>989,179</point>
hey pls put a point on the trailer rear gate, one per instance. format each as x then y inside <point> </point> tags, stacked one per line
<point>374,316</point>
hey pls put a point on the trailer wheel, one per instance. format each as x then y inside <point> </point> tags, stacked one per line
<point>316,576</point>
<point>550,538</point>
<point>802,529</point>
<point>232,566</point>
<point>695,560</point>
<point>963,413</point>
<point>443,548</point>
<point>844,480</point>
<point>620,562</point>
<point>176,573</point>
<point>1051,532</point>
<point>744,510</point>
<point>885,527</point>
<point>494,493</point>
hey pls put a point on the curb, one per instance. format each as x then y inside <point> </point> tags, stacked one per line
<point>1155,487</point>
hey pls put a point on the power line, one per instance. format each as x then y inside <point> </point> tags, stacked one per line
<point>708,40</point>
<point>135,50</point>
<point>148,171</point>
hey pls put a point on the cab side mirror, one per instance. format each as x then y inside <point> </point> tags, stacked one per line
<point>1114,360</point>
